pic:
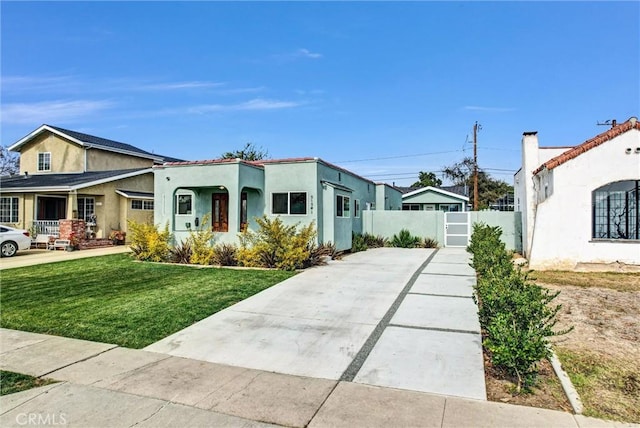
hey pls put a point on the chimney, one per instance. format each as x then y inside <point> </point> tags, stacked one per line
<point>530,162</point>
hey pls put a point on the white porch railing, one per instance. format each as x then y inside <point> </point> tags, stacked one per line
<point>46,227</point>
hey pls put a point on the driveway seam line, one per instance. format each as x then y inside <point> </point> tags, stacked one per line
<point>446,330</point>
<point>354,367</point>
<point>447,274</point>
<point>439,295</point>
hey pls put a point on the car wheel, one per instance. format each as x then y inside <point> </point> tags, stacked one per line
<point>9,249</point>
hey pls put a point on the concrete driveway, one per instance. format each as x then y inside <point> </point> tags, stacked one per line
<point>402,318</point>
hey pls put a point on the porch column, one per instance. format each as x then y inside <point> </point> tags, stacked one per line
<point>72,205</point>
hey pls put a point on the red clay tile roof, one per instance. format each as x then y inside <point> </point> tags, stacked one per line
<point>590,144</point>
<point>262,162</point>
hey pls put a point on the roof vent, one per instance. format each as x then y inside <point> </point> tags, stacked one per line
<point>26,174</point>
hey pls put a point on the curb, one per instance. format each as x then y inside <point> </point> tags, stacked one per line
<point>567,385</point>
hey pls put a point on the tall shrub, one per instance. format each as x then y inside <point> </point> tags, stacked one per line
<point>148,242</point>
<point>517,316</point>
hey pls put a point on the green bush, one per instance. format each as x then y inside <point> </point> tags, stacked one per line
<point>275,245</point>
<point>148,243</point>
<point>516,315</point>
<point>404,239</point>
<point>373,241</point>
<point>201,243</point>
<point>429,243</point>
<point>358,243</point>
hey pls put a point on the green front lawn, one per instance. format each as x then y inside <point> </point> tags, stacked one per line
<point>114,299</point>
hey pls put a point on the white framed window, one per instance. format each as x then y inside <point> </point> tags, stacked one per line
<point>289,203</point>
<point>9,209</point>
<point>44,161</point>
<point>86,208</point>
<point>343,206</point>
<point>184,204</point>
<point>141,204</point>
<point>356,208</point>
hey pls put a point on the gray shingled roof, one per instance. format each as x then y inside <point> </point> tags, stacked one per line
<point>102,142</point>
<point>111,144</point>
<point>17,182</point>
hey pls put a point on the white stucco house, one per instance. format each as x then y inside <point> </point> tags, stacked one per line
<point>579,204</point>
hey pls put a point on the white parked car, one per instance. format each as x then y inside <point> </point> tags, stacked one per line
<point>12,240</point>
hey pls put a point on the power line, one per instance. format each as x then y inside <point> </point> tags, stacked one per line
<point>398,157</point>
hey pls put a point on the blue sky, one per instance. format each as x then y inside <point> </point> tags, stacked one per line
<point>385,89</point>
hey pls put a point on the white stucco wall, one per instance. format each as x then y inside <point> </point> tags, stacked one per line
<point>562,231</point>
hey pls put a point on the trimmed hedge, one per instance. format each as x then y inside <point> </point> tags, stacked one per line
<point>516,315</point>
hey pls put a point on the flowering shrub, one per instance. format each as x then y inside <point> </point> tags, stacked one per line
<point>276,245</point>
<point>148,242</point>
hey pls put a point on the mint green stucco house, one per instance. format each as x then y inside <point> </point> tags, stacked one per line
<point>234,192</point>
<point>434,199</point>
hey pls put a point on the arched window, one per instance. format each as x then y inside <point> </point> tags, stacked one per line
<point>615,211</point>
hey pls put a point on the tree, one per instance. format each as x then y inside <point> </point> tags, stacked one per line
<point>249,153</point>
<point>426,179</point>
<point>489,189</point>
<point>9,162</point>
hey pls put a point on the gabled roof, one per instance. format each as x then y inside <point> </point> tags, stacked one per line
<point>576,151</point>
<point>65,182</point>
<point>460,190</point>
<point>436,190</point>
<point>86,140</point>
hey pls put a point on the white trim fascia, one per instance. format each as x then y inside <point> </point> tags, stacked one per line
<point>81,143</point>
<point>123,193</point>
<point>435,189</point>
<point>37,189</point>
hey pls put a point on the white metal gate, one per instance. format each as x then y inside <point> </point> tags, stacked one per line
<point>456,229</point>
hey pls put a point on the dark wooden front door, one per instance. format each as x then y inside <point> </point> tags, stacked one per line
<point>220,210</point>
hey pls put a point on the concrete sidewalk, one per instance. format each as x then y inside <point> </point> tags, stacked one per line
<point>108,386</point>
<point>38,256</point>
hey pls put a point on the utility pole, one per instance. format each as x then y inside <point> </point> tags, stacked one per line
<point>476,128</point>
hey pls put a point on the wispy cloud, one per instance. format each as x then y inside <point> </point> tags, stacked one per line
<point>52,111</point>
<point>298,54</point>
<point>35,83</point>
<point>254,104</point>
<point>171,86</point>
<point>306,53</point>
<point>489,109</point>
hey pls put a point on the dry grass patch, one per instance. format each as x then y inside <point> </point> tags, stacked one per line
<point>601,353</point>
<point>610,280</point>
<point>609,387</point>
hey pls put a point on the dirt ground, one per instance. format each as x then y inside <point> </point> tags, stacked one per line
<point>605,321</point>
<point>604,311</point>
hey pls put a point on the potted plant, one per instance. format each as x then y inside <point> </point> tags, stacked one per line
<point>74,242</point>
<point>117,237</point>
